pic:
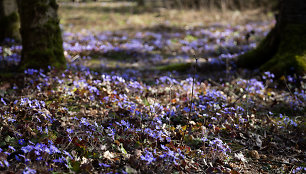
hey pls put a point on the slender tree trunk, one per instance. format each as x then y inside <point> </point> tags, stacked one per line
<point>41,35</point>
<point>9,20</point>
<point>283,51</point>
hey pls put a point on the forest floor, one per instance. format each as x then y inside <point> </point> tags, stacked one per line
<point>152,91</point>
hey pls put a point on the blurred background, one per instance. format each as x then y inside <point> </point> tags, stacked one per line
<point>118,14</point>
<point>158,35</point>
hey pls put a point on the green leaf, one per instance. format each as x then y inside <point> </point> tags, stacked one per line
<point>122,149</point>
<point>75,166</point>
<point>129,169</point>
<point>9,139</point>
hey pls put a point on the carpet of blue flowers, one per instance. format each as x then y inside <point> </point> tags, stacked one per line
<point>98,116</point>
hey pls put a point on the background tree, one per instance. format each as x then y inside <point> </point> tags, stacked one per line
<point>283,51</point>
<point>140,2</point>
<point>9,21</point>
<point>41,35</point>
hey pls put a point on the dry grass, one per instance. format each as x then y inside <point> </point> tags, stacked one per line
<point>101,16</point>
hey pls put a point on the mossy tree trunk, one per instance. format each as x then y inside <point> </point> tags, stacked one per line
<point>283,51</point>
<point>41,35</point>
<point>9,20</point>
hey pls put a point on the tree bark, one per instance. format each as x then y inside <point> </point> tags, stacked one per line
<point>9,20</point>
<point>41,35</point>
<point>283,51</point>
<point>140,2</point>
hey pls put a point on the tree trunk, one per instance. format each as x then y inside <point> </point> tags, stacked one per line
<point>9,20</point>
<point>283,51</point>
<point>41,35</point>
<point>140,2</point>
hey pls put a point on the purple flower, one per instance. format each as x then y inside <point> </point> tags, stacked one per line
<point>2,100</point>
<point>68,154</point>
<point>12,148</point>
<point>69,130</point>
<point>104,165</point>
<point>28,170</point>
<point>60,160</point>
<point>148,157</point>
<point>54,149</point>
<point>17,158</point>
<point>27,148</point>
<point>6,163</point>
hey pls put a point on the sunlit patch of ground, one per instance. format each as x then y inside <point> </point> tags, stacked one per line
<point>101,16</point>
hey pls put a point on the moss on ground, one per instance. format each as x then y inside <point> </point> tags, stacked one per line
<point>181,67</point>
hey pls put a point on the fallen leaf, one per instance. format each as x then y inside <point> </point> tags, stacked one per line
<point>254,154</point>
<point>240,157</point>
<point>108,155</point>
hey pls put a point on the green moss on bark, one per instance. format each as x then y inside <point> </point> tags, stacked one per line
<point>42,43</point>
<point>52,54</point>
<point>255,58</point>
<point>281,52</point>
<point>291,54</point>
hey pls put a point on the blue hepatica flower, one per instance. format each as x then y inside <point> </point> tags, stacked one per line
<point>2,100</point>
<point>5,162</point>
<point>12,148</point>
<point>104,165</point>
<point>54,149</point>
<point>171,155</point>
<point>60,160</point>
<point>69,130</point>
<point>28,170</point>
<point>27,148</point>
<point>84,122</point>
<point>68,154</point>
<point>148,157</point>
<point>17,158</point>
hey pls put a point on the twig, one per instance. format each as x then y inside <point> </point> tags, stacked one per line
<point>192,88</point>
<point>289,92</point>
<point>272,161</point>
<point>170,98</point>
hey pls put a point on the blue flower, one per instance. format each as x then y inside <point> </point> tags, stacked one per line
<point>148,157</point>
<point>68,154</point>
<point>6,163</point>
<point>47,150</point>
<point>12,148</point>
<point>69,130</point>
<point>164,147</point>
<point>17,158</point>
<point>60,160</point>
<point>28,170</point>
<point>27,148</point>
<point>37,152</point>
<point>54,149</point>
<point>2,100</point>
<point>104,165</point>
